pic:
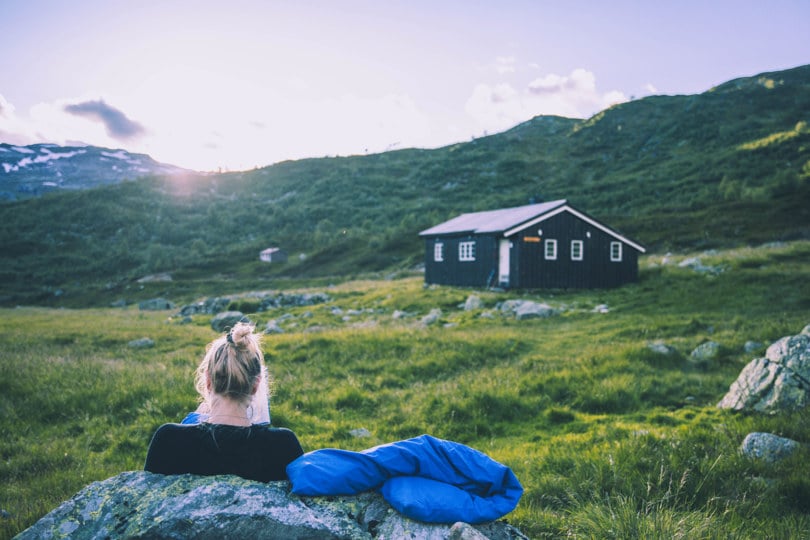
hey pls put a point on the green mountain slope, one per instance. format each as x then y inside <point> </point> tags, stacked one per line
<point>727,167</point>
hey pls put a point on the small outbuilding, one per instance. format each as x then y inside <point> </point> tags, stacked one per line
<point>273,254</point>
<point>546,245</point>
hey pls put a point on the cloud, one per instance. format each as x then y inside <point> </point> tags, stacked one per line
<point>500,106</point>
<point>116,123</point>
<point>505,64</point>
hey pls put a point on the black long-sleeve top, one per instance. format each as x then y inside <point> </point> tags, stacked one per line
<point>258,452</point>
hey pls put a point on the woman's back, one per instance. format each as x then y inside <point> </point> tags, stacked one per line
<point>256,452</point>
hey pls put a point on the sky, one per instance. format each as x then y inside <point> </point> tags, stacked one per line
<point>238,84</point>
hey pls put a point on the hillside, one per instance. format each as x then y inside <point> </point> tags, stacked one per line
<point>727,167</point>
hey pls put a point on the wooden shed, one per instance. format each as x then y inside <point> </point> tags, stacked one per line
<point>546,245</point>
<point>273,254</point>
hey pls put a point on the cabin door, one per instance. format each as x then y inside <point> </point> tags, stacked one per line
<point>504,250</point>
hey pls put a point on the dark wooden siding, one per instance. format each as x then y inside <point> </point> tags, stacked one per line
<point>482,272</point>
<point>530,269</point>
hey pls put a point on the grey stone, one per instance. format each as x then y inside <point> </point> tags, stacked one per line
<point>272,327</point>
<point>227,319</point>
<point>510,306</point>
<point>533,310</point>
<point>705,353</point>
<point>780,381</point>
<point>141,343</point>
<point>139,504</point>
<point>473,302</point>
<point>432,317</point>
<point>155,304</point>
<point>768,447</point>
<point>752,346</point>
<point>660,347</point>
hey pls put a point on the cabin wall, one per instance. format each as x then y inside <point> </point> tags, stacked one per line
<point>531,269</point>
<point>481,272</point>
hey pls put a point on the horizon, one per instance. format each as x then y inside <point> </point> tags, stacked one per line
<point>210,87</point>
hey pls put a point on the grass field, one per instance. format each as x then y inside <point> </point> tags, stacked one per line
<point>609,439</point>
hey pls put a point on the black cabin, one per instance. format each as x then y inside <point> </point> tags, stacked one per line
<point>538,246</point>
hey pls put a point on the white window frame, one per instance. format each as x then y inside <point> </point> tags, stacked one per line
<point>577,250</point>
<point>616,251</point>
<point>438,252</point>
<point>550,249</point>
<point>466,250</point>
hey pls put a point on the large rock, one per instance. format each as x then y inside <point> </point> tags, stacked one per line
<point>145,505</point>
<point>780,381</point>
<point>226,320</point>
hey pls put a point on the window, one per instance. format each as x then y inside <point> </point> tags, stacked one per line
<point>576,250</point>
<point>466,251</point>
<point>616,251</point>
<point>551,250</point>
<point>438,252</point>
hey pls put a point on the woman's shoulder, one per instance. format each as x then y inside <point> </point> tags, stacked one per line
<point>268,430</point>
<point>177,430</point>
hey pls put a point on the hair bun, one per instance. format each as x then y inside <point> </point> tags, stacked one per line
<point>240,334</point>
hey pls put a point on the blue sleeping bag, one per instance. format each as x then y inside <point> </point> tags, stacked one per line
<point>423,478</point>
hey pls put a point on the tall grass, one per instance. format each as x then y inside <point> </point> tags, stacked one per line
<point>609,439</point>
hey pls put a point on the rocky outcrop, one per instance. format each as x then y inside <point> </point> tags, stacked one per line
<point>145,505</point>
<point>779,381</point>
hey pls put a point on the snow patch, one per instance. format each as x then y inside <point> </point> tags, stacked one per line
<point>9,167</point>
<point>121,154</point>
<point>23,150</point>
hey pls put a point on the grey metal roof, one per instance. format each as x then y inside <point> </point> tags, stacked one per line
<point>493,220</point>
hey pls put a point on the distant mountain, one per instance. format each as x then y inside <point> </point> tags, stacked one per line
<point>29,171</point>
<point>727,167</point>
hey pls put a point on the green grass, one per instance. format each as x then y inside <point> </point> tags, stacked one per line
<point>608,439</point>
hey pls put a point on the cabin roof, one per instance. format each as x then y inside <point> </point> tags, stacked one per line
<point>512,220</point>
<point>493,221</point>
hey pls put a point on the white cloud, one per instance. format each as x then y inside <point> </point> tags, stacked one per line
<point>651,89</point>
<point>505,64</point>
<point>498,107</point>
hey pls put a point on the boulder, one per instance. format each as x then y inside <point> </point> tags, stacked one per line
<point>226,320</point>
<point>272,327</point>
<point>533,310</point>
<point>752,346</point>
<point>705,353</point>
<point>526,309</point>
<point>139,504</point>
<point>473,303</point>
<point>155,304</point>
<point>768,447</point>
<point>659,347</point>
<point>432,317</point>
<point>141,343</point>
<point>210,306</point>
<point>779,381</point>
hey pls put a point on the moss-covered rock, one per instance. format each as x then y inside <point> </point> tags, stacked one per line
<point>145,505</point>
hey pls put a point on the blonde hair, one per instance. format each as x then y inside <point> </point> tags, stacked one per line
<point>232,366</point>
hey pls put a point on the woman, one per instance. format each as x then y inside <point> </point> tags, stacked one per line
<point>227,441</point>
